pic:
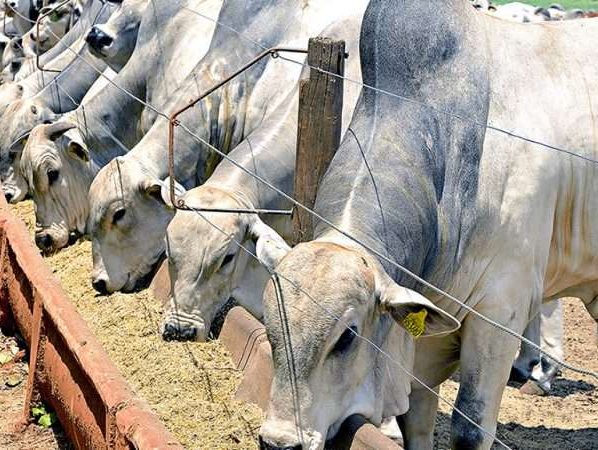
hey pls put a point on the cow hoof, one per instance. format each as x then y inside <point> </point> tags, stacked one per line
<point>518,375</point>
<point>532,388</point>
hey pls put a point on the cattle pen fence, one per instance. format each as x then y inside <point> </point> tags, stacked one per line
<point>174,122</point>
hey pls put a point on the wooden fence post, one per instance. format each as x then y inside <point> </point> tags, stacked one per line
<point>319,127</point>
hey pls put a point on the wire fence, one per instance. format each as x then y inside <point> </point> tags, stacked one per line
<point>383,257</point>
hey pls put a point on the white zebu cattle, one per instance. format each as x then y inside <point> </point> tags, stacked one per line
<point>498,222</point>
<point>97,129</point>
<point>52,27</point>
<point>207,271</point>
<point>521,12</point>
<point>115,40</point>
<point>59,96</point>
<point>125,201</point>
<point>23,14</point>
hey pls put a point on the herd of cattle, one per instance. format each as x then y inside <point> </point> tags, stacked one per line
<point>523,12</point>
<point>419,182</point>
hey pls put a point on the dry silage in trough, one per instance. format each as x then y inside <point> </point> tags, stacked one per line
<point>190,386</point>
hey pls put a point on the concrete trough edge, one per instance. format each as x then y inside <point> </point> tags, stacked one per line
<point>69,369</point>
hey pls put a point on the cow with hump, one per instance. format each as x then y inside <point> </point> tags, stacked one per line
<point>499,222</point>
<point>128,217</point>
<point>207,271</point>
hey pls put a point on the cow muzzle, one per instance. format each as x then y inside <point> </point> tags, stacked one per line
<point>176,331</point>
<point>98,41</point>
<point>44,242</point>
<point>265,445</point>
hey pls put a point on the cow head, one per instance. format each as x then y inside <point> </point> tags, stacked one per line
<point>114,41</point>
<point>15,124</point>
<point>322,368</point>
<point>14,8</point>
<point>56,164</point>
<point>12,59</point>
<point>52,27</point>
<point>207,267</point>
<point>127,223</point>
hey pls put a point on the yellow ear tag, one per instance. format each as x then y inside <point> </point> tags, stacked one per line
<point>415,323</point>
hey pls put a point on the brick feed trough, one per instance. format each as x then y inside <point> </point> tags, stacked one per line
<point>69,369</point>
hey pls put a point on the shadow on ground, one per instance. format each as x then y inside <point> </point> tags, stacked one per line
<point>519,437</point>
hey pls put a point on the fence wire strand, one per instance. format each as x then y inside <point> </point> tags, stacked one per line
<point>373,251</point>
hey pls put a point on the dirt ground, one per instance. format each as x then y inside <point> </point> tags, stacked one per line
<point>191,385</point>
<point>13,379</point>
<point>567,418</point>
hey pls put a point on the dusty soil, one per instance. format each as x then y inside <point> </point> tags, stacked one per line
<point>191,386</point>
<point>565,419</point>
<point>13,378</point>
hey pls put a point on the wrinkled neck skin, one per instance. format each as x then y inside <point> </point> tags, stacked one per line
<point>99,120</point>
<point>268,152</point>
<point>162,29</point>
<point>75,80</point>
<point>36,80</point>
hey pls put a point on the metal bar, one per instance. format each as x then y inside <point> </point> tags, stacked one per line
<point>37,24</point>
<point>172,121</point>
<point>275,212</point>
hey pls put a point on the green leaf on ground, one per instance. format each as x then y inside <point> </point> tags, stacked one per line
<point>38,411</point>
<point>47,420</point>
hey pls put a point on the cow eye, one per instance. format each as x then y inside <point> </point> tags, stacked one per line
<point>345,341</point>
<point>52,176</point>
<point>12,156</point>
<point>15,65</point>
<point>227,259</point>
<point>118,215</point>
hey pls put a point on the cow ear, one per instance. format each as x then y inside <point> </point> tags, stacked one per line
<point>160,190</point>
<point>77,148</point>
<point>270,247</point>
<point>179,190</point>
<point>492,8</point>
<point>412,311</point>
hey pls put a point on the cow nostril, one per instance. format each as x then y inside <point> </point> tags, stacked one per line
<point>44,241</point>
<point>8,196</point>
<point>264,445</point>
<point>176,332</point>
<point>97,39</point>
<point>100,286</point>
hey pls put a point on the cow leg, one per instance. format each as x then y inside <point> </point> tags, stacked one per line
<point>417,425</point>
<point>552,342</point>
<point>486,357</point>
<point>528,357</point>
<point>435,360</point>
<point>591,305</point>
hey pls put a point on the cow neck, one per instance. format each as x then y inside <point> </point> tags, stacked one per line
<point>268,152</point>
<point>405,180</point>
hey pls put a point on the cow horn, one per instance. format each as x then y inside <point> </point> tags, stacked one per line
<point>57,129</point>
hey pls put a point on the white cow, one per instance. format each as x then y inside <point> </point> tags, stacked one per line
<point>498,222</point>
<point>125,201</point>
<point>97,127</point>
<point>206,272</point>
<point>521,12</point>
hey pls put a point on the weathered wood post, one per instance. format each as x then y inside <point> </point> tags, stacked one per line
<point>319,128</point>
